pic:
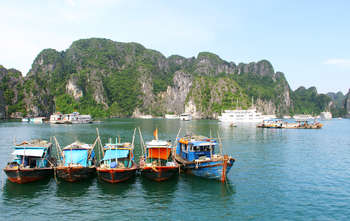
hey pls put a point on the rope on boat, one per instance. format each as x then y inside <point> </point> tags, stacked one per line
<point>55,175</point>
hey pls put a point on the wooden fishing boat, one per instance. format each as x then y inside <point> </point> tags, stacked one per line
<point>118,163</point>
<point>78,162</point>
<point>32,162</point>
<point>197,156</point>
<point>158,162</point>
<point>299,124</point>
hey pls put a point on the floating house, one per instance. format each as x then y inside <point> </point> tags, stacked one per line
<point>77,162</point>
<point>158,162</point>
<point>197,155</point>
<point>118,163</point>
<point>32,162</point>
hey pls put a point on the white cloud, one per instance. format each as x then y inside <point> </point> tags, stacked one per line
<point>338,61</point>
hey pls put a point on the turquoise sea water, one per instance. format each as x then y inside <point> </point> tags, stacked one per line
<point>278,175</point>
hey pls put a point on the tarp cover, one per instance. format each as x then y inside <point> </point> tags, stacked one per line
<point>76,156</point>
<point>29,152</point>
<point>115,153</point>
<point>161,153</point>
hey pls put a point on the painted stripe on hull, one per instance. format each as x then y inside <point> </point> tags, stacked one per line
<point>115,175</point>
<point>28,175</point>
<point>211,170</point>
<point>159,173</point>
<point>75,174</point>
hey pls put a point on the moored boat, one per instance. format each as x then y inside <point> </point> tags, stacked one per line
<point>158,162</point>
<point>32,162</point>
<point>118,163</point>
<point>77,162</point>
<point>197,156</point>
<point>186,116</point>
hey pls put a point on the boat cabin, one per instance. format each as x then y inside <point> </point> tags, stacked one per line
<point>191,148</point>
<point>158,152</point>
<point>78,154</point>
<point>32,154</point>
<point>117,155</point>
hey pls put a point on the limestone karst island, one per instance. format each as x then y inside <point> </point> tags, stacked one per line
<point>104,78</point>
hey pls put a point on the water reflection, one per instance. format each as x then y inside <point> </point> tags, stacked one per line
<point>28,190</point>
<point>208,187</point>
<point>66,189</point>
<point>117,189</point>
<point>160,194</point>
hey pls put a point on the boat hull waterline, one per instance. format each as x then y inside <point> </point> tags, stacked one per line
<point>27,175</point>
<point>159,173</point>
<point>116,175</point>
<point>217,169</point>
<point>75,174</point>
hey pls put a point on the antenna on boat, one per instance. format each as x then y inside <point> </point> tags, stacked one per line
<point>133,138</point>
<point>99,140</point>
<point>58,148</point>
<point>142,143</point>
<point>220,143</point>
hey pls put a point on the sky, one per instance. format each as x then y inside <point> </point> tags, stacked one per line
<point>309,41</point>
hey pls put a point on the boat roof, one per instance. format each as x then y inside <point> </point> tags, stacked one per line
<point>37,143</point>
<point>158,144</point>
<point>119,146</point>
<point>31,152</point>
<point>197,140</point>
<point>78,146</point>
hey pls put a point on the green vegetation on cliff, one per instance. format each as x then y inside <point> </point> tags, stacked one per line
<point>308,101</point>
<point>106,78</point>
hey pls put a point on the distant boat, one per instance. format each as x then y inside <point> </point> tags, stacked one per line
<point>299,124</point>
<point>32,163</point>
<point>171,116</point>
<point>303,117</point>
<point>186,116</point>
<point>73,118</point>
<point>326,116</point>
<point>77,162</point>
<point>25,119</point>
<point>246,116</point>
<point>39,120</point>
<point>146,116</point>
<point>118,163</point>
<point>197,156</point>
<point>158,162</point>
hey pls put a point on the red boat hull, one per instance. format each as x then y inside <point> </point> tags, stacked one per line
<point>116,175</point>
<point>159,173</point>
<point>75,174</point>
<point>27,175</point>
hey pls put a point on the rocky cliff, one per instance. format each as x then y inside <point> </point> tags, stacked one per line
<point>11,94</point>
<point>106,78</point>
<point>347,105</point>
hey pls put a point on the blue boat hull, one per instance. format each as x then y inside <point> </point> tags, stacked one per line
<point>209,169</point>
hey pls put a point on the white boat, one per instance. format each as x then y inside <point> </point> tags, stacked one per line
<point>186,116</point>
<point>250,115</point>
<point>38,120</point>
<point>171,116</point>
<point>326,115</point>
<point>287,117</point>
<point>303,117</point>
<point>148,116</point>
<point>25,119</point>
<point>73,118</point>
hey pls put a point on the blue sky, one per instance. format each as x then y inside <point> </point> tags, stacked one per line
<point>309,41</point>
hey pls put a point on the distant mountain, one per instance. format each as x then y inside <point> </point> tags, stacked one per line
<point>106,78</point>
<point>347,105</point>
<point>337,106</point>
